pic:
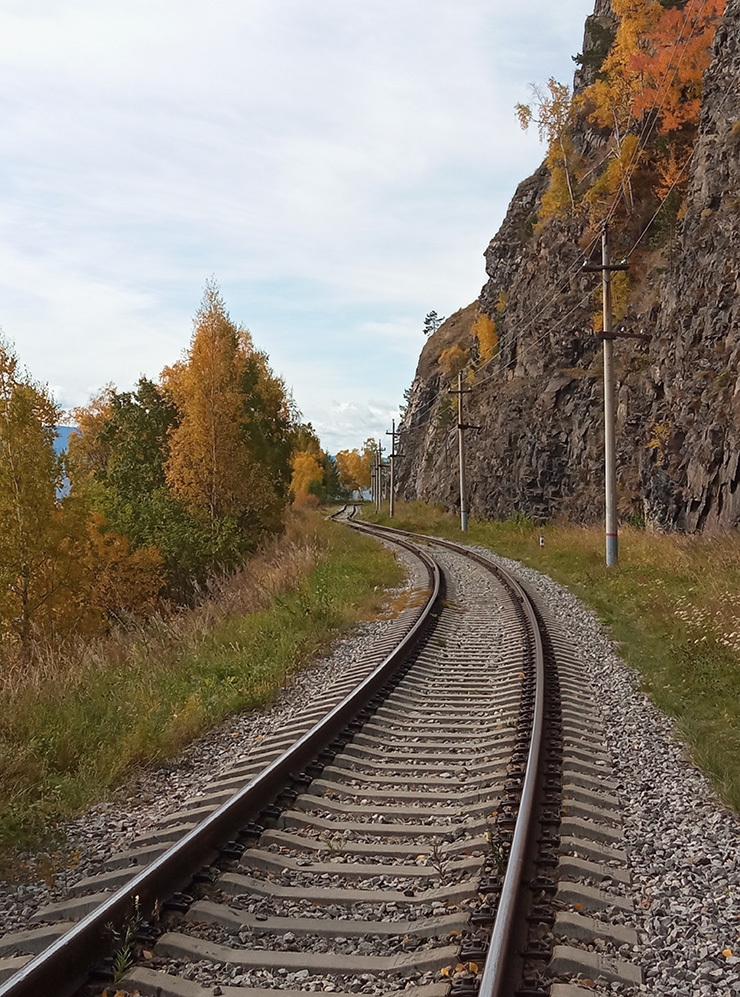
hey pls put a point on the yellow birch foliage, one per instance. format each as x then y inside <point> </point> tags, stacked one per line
<point>353,469</point>
<point>306,471</point>
<point>453,359</point>
<point>615,178</point>
<point>554,114</point>
<point>99,577</point>
<point>60,572</point>
<point>209,467</point>
<point>484,330</point>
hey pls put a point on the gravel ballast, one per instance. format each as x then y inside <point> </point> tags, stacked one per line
<point>684,846</point>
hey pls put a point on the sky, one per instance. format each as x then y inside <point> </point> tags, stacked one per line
<point>338,166</point>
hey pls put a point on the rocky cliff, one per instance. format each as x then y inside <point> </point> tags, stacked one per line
<point>539,400</point>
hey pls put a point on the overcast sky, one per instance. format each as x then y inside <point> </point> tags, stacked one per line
<point>338,165</point>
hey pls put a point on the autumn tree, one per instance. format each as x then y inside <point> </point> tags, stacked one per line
<point>95,578</point>
<point>269,421</point>
<point>307,474</point>
<point>453,359</point>
<point>552,110</point>
<point>229,454</point>
<point>354,466</point>
<point>30,475</point>
<point>650,87</point>
<point>208,467</point>
<point>484,330</point>
<point>118,461</point>
<point>61,570</point>
<point>670,62</point>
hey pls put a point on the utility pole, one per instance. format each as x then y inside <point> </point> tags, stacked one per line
<point>379,478</point>
<point>461,427</point>
<point>610,408</point>
<point>374,478</point>
<point>392,487</point>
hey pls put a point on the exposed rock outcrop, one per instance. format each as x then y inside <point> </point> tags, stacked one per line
<point>539,402</point>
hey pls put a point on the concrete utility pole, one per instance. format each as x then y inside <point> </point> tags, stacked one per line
<point>610,408</point>
<point>392,486</point>
<point>610,411</point>
<point>461,427</point>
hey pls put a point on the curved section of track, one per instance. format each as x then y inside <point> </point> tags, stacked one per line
<point>497,972</point>
<point>68,958</point>
<point>395,814</point>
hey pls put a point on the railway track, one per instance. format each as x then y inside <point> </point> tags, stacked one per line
<point>441,822</point>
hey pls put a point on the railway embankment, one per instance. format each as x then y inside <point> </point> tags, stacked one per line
<point>86,718</point>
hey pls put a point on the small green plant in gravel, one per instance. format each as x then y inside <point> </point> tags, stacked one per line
<point>123,940</point>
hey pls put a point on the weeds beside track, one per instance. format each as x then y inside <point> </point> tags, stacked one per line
<point>93,713</point>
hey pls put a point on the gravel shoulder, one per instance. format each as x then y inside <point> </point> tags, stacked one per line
<point>683,843</point>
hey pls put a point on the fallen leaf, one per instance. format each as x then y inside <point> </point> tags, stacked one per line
<point>444,971</point>
<point>578,906</point>
<point>473,967</point>
<point>727,953</point>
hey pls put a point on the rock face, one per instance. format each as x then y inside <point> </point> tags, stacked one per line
<point>539,402</point>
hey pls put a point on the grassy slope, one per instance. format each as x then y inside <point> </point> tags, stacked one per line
<point>672,606</point>
<point>73,732</point>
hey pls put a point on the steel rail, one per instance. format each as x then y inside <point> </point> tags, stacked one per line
<point>65,965</point>
<point>494,973</point>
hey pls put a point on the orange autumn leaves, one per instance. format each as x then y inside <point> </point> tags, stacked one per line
<point>645,100</point>
<point>653,73</point>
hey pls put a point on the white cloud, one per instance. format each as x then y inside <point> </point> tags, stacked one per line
<point>339,167</point>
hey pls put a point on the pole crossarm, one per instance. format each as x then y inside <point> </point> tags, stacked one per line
<point>624,335</point>
<point>596,268</point>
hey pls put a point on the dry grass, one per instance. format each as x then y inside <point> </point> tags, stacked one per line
<point>87,715</point>
<point>275,569</point>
